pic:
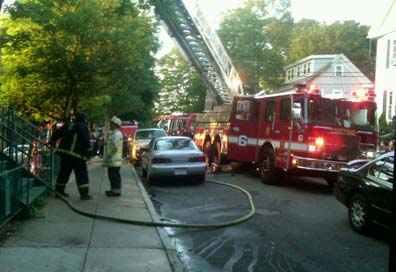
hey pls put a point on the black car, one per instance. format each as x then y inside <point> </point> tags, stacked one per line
<point>367,192</point>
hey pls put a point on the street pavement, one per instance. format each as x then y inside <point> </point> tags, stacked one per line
<point>62,240</point>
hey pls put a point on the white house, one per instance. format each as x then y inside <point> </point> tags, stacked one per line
<point>385,74</point>
<point>334,75</point>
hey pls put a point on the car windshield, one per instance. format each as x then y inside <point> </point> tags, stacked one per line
<point>149,134</point>
<point>173,144</point>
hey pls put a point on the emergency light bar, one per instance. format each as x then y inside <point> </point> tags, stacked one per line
<point>363,94</point>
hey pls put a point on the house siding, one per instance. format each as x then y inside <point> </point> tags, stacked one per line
<point>323,75</point>
<point>385,76</point>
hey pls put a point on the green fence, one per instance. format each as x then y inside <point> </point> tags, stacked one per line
<point>26,164</point>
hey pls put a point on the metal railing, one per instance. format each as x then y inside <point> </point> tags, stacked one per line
<point>26,163</point>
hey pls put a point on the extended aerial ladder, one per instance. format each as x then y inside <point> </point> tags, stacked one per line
<point>186,24</point>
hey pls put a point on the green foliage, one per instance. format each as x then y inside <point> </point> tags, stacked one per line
<point>256,38</point>
<point>349,38</point>
<point>262,38</point>
<point>383,126</point>
<point>182,89</point>
<point>96,55</point>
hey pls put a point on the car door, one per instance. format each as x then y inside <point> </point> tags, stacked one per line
<point>243,135</point>
<point>380,177</point>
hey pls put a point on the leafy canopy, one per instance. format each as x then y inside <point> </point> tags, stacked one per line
<point>96,55</point>
<point>182,89</point>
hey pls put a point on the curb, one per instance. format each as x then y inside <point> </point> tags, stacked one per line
<point>171,252</point>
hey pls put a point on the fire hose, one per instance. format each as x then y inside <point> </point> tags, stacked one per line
<point>166,224</point>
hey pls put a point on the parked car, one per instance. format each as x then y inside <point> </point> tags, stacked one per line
<point>19,154</point>
<point>173,156</point>
<point>140,141</point>
<point>367,192</point>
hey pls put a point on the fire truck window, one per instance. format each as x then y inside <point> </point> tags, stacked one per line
<point>243,108</point>
<point>181,124</point>
<point>313,110</point>
<point>285,110</point>
<point>270,111</point>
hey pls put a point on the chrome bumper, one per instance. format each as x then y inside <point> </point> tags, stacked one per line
<point>318,165</point>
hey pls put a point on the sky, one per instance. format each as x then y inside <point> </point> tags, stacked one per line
<point>366,12</point>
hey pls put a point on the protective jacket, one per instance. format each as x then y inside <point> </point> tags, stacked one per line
<point>113,149</point>
<point>75,140</point>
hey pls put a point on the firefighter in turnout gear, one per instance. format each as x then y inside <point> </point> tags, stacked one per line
<point>74,150</point>
<point>113,157</point>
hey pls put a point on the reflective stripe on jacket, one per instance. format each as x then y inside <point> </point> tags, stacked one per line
<point>75,141</point>
<point>113,149</point>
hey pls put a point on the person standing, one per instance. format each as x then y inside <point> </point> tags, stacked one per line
<point>36,161</point>
<point>74,150</point>
<point>113,157</point>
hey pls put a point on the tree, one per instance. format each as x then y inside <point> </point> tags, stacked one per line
<point>350,38</point>
<point>62,55</point>
<point>261,38</point>
<point>256,37</point>
<point>182,89</point>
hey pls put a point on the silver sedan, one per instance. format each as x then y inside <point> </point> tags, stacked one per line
<point>173,156</point>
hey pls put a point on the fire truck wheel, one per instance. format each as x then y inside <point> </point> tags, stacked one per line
<point>267,170</point>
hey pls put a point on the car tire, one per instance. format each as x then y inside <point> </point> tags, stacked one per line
<point>358,211</point>
<point>201,178</point>
<point>267,171</point>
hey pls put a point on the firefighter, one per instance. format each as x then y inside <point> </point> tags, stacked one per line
<point>74,150</point>
<point>113,157</point>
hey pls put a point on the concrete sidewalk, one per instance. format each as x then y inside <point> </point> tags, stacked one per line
<point>63,240</point>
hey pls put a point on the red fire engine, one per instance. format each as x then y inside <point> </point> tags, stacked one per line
<point>293,131</point>
<point>43,132</point>
<point>177,124</point>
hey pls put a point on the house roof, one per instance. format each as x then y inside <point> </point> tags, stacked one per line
<point>329,57</point>
<point>328,60</point>
<point>386,25</point>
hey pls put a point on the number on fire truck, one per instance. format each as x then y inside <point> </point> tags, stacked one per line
<point>242,140</point>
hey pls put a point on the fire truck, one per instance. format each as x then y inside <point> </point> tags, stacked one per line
<point>297,132</point>
<point>177,124</point>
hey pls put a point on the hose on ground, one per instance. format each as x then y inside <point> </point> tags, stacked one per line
<point>166,224</point>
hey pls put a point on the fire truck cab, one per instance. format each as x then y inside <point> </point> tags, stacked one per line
<point>294,131</point>
<point>177,124</point>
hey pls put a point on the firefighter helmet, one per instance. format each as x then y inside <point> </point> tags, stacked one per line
<point>116,121</point>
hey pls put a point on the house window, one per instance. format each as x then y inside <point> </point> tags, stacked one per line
<point>338,70</point>
<point>305,69</point>
<point>308,68</point>
<point>298,71</point>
